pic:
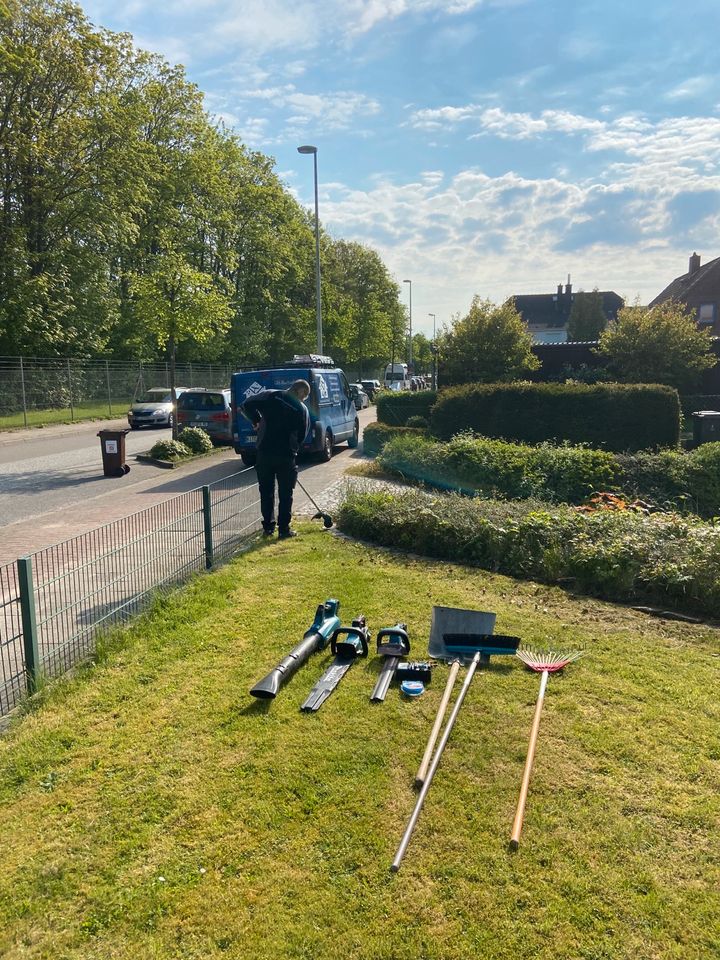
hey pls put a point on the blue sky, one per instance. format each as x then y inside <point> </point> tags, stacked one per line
<point>481,146</point>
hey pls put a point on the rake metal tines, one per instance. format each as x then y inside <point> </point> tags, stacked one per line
<point>550,661</point>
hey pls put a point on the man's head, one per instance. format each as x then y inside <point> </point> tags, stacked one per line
<point>300,389</point>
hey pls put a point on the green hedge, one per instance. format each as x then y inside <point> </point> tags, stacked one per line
<point>663,558</point>
<point>607,415</point>
<point>558,474</point>
<point>376,435</point>
<point>395,408</point>
<point>497,468</point>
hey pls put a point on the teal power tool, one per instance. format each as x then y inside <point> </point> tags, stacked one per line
<point>347,644</point>
<point>392,643</point>
<point>324,625</point>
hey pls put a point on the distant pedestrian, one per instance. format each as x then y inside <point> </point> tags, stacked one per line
<point>282,422</point>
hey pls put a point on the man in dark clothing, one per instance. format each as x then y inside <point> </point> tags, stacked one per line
<point>282,422</point>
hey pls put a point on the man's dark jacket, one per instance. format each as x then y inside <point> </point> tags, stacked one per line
<point>283,421</point>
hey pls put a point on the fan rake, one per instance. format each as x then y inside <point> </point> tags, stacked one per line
<point>544,662</point>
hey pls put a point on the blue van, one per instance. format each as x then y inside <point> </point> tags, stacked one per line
<point>333,417</point>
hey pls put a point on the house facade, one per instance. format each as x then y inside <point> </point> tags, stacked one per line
<point>699,291</point>
<point>546,315</point>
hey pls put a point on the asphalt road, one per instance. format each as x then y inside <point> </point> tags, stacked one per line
<point>57,472</point>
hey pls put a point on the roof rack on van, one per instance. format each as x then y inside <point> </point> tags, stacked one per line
<point>299,360</point>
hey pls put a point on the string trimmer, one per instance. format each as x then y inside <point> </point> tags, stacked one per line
<point>456,635</point>
<point>545,663</point>
<point>324,625</point>
<point>392,643</point>
<point>320,515</point>
<point>346,652</point>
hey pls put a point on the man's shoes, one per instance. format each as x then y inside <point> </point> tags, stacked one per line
<point>268,531</point>
<point>286,534</point>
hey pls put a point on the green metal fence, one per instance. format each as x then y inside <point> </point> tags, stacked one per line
<point>36,389</point>
<point>53,603</point>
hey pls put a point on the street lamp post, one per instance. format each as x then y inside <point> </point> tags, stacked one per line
<point>318,304</point>
<point>410,360</point>
<point>434,373</point>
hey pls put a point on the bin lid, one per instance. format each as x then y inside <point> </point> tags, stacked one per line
<point>113,433</point>
<point>706,413</point>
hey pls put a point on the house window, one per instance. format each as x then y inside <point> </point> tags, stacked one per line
<point>706,314</point>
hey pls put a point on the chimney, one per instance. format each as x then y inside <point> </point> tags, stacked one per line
<point>568,289</point>
<point>559,293</point>
<point>694,264</point>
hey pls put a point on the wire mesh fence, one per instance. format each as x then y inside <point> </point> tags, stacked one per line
<point>40,390</point>
<point>80,587</point>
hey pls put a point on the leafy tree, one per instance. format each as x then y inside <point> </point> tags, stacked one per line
<point>422,353</point>
<point>489,344</point>
<point>176,302</point>
<point>587,318</point>
<point>660,344</point>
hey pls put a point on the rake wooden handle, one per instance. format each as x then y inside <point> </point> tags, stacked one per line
<point>442,709</point>
<point>520,812</point>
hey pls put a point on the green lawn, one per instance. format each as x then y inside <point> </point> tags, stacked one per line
<point>151,809</point>
<point>81,411</point>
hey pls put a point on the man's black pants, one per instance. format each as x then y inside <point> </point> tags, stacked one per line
<point>283,469</point>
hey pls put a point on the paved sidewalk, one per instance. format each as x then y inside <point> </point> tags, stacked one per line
<point>37,533</point>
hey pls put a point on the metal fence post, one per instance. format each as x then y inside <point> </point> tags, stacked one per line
<point>207,517</point>
<point>70,392</point>
<point>29,622</point>
<point>22,385</point>
<point>107,380</point>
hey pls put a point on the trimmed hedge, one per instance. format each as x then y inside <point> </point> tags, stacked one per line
<point>663,558</point>
<point>558,474</point>
<point>376,435</point>
<point>395,408</point>
<point>497,468</point>
<point>611,416</point>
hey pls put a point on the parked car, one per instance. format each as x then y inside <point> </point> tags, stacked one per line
<point>361,398</point>
<point>371,388</point>
<point>333,416</point>
<point>208,409</point>
<point>153,408</point>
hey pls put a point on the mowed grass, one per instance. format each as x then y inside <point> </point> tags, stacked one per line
<point>81,411</point>
<point>151,809</point>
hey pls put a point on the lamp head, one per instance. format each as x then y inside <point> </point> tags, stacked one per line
<point>307,149</point>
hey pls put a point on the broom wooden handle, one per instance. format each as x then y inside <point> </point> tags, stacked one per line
<point>442,709</point>
<point>520,812</point>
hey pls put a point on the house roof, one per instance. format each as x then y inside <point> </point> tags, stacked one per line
<point>682,287</point>
<point>553,310</point>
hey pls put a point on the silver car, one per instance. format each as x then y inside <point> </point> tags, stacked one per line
<point>153,408</point>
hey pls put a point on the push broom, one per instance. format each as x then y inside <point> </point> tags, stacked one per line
<point>544,663</point>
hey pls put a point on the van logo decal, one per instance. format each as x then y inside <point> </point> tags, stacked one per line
<point>323,387</point>
<point>254,389</point>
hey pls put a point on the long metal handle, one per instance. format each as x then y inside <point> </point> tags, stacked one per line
<point>384,679</point>
<point>427,756</point>
<point>400,853</point>
<point>520,812</point>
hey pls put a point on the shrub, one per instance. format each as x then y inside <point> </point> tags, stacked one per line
<point>498,468</point>
<point>376,435</point>
<point>609,415</point>
<point>169,450</point>
<point>395,408</point>
<point>195,439</point>
<point>420,422</point>
<point>617,555</point>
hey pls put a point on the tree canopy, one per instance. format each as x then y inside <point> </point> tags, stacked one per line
<point>489,344</point>
<point>587,318</point>
<point>118,188</point>
<point>660,344</point>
